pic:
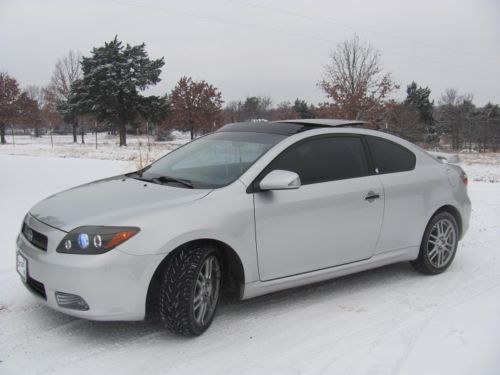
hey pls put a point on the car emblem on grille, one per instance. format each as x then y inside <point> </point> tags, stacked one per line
<point>30,235</point>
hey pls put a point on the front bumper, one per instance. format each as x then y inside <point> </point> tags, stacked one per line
<point>113,284</point>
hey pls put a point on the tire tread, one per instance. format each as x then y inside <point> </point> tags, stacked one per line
<point>422,263</point>
<point>176,286</point>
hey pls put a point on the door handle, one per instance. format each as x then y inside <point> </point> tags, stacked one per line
<point>371,195</point>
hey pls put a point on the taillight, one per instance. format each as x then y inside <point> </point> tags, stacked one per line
<point>464,178</point>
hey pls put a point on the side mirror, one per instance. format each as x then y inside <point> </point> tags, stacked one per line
<point>280,180</point>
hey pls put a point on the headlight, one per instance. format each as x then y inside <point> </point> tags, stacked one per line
<point>95,240</point>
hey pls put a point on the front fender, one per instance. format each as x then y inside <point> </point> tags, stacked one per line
<point>225,215</point>
<point>246,252</point>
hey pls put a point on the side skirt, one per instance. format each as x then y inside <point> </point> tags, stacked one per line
<point>258,288</point>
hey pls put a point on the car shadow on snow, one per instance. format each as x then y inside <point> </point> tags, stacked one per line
<point>231,314</point>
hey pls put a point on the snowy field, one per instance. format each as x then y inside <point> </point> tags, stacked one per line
<point>387,321</point>
<point>138,147</point>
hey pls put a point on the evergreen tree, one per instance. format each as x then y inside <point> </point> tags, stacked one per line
<point>113,77</point>
<point>489,136</point>
<point>256,108</point>
<point>418,99</point>
<point>302,109</point>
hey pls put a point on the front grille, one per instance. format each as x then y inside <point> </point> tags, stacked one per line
<point>35,238</point>
<point>36,287</point>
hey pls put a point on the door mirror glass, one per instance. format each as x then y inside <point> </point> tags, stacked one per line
<point>280,180</point>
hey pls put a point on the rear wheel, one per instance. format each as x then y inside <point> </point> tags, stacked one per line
<point>190,289</point>
<point>439,245</point>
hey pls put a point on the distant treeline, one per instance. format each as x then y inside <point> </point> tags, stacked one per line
<point>103,92</point>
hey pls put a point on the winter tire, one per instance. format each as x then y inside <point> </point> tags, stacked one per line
<point>190,289</point>
<point>439,245</point>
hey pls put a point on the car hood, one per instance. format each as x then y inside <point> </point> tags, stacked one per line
<point>114,201</point>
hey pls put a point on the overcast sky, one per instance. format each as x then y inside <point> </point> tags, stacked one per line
<point>254,47</point>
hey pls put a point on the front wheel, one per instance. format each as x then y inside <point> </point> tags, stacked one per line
<point>439,245</point>
<point>190,289</point>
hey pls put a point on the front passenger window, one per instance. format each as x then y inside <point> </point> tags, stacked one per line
<point>324,159</point>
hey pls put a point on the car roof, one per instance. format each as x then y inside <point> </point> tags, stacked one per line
<point>287,127</point>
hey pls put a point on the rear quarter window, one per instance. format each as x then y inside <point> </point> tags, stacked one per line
<point>390,157</point>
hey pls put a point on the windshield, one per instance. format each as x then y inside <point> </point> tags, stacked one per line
<point>212,161</point>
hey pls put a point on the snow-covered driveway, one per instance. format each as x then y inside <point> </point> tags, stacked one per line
<point>386,321</point>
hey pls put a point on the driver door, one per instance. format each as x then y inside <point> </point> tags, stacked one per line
<point>327,221</point>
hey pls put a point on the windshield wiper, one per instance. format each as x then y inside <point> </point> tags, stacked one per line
<point>138,176</point>
<point>167,179</point>
<point>161,179</point>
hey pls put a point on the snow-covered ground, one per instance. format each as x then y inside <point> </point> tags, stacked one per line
<point>138,147</point>
<point>387,321</point>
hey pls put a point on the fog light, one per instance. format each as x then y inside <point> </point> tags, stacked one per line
<point>71,301</point>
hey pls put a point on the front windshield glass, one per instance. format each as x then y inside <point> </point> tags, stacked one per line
<point>212,161</point>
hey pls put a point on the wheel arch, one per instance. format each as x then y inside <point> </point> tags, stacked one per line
<point>454,212</point>
<point>233,273</point>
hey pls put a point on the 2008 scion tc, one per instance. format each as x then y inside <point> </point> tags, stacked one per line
<point>250,209</point>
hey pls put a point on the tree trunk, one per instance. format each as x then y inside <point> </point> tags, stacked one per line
<point>2,134</point>
<point>37,131</point>
<point>83,134</point>
<point>74,126</point>
<point>192,133</point>
<point>123,134</point>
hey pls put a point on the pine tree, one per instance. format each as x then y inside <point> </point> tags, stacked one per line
<point>113,77</point>
<point>302,109</point>
<point>418,99</point>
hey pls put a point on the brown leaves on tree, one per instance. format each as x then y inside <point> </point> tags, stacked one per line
<point>355,83</point>
<point>196,105</point>
<point>9,92</point>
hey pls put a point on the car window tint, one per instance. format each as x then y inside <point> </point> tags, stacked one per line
<point>324,159</point>
<point>389,157</point>
<point>214,160</point>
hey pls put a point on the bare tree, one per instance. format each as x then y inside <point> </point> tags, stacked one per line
<point>284,111</point>
<point>404,121</point>
<point>355,82</point>
<point>32,105</point>
<point>233,111</point>
<point>66,71</point>
<point>455,117</point>
<point>34,93</point>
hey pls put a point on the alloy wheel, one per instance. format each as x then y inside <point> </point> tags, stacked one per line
<point>441,243</point>
<point>207,290</point>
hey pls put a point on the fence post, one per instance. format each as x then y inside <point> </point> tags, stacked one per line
<point>147,132</point>
<point>51,140</point>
